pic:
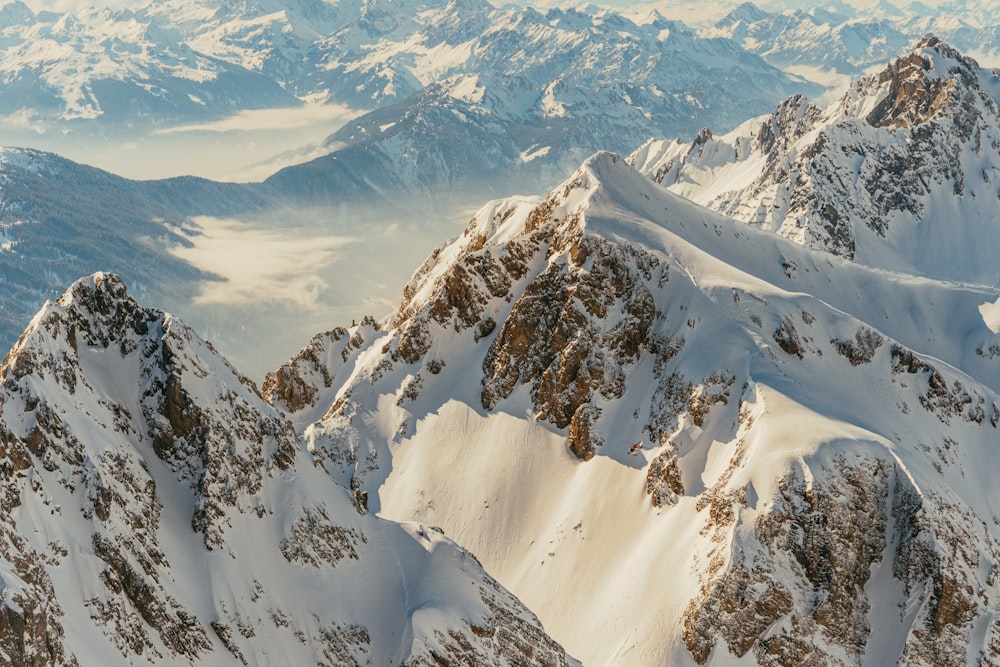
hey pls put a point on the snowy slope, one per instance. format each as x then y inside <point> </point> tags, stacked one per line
<point>157,511</point>
<point>901,173</point>
<point>818,436</point>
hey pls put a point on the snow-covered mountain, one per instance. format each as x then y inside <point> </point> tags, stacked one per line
<point>158,511</point>
<point>902,173</point>
<point>115,66</point>
<point>817,437</point>
<point>677,437</point>
<point>275,38</point>
<point>475,95</point>
<point>816,38</point>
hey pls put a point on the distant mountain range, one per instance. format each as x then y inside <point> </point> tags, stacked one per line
<point>515,96</point>
<point>515,93</point>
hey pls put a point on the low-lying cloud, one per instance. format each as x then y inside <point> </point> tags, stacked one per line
<point>261,265</point>
<point>272,119</point>
<point>282,277</point>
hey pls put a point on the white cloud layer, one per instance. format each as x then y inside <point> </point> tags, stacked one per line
<point>261,265</point>
<point>272,119</point>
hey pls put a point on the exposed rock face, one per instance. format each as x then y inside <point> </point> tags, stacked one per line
<point>914,97</point>
<point>306,380</point>
<point>801,590</point>
<point>862,349</point>
<point>830,552</point>
<point>583,352</point>
<point>137,467</point>
<point>576,313</point>
<point>31,629</point>
<point>664,482</point>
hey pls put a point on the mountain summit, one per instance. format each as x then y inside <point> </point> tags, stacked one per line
<point>902,173</point>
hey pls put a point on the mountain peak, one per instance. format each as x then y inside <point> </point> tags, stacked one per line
<point>914,88</point>
<point>155,478</point>
<point>675,356</point>
<point>98,293</point>
<point>887,176</point>
<point>98,311</point>
<point>15,12</point>
<point>94,311</point>
<point>744,13</point>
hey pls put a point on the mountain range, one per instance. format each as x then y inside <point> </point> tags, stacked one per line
<point>850,42</point>
<point>726,448</point>
<point>442,79</point>
<point>899,173</point>
<point>60,219</point>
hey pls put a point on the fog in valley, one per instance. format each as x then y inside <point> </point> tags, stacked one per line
<point>284,277</point>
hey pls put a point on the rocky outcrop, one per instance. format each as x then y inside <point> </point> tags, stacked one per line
<point>557,312</point>
<point>862,349</point>
<point>31,619</point>
<point>913,97</point>
<point>309,377</point>
<point>583,354</point>
<point>664,483</point>
<point>799,592</point>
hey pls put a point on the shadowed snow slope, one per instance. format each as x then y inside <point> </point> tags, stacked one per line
<point>813,485</point>
<point>60,220</point>
<point>158,511</point>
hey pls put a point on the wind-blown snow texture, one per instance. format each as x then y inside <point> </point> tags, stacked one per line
<point>818,436</point>
<point>158,511</point>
